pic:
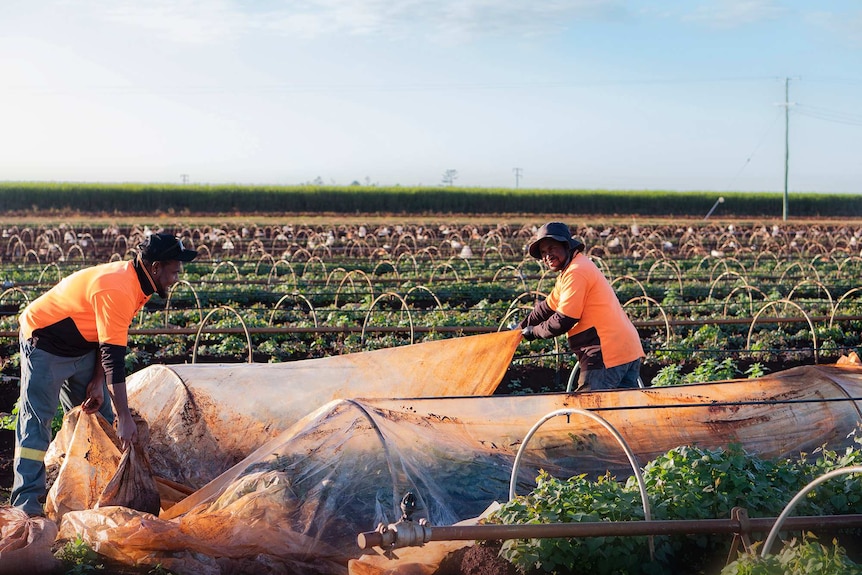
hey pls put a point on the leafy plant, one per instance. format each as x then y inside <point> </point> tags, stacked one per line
<point>684,483</point>
<point>79,557</point>
<point>575,500</point>
<point>10,422</point>
<point>755,370</point>
<point>807,557</point>
<point>709,369</point>
<point>668,375</point>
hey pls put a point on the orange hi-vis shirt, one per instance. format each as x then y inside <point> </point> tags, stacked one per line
<point>93,306</point>
<point>582,292</point>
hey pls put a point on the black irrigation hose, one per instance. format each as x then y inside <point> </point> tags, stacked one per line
<point>693,352</point>
<point>711,404</point>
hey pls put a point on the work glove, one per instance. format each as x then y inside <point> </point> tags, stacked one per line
<point>527,332</point>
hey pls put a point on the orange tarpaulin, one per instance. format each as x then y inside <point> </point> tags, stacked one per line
<point>228,410</point>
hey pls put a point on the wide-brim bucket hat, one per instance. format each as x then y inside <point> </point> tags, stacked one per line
<point>556,231</point>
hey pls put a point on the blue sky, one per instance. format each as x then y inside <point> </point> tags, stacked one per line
<point>610,94</point>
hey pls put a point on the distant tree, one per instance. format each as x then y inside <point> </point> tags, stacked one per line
<point>355,183</point>
<point>449,177</point>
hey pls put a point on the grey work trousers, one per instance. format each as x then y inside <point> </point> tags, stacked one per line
<point>46,381</point>
<point>623,376</point>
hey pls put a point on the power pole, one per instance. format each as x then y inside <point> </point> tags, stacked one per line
<point>518,172</point>
<point>786,143</point>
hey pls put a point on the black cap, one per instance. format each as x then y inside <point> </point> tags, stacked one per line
<point>165,247</point>
<point>556,231</point>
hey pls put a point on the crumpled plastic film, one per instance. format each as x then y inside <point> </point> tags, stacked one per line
<point>92,471</point>
<point>251,534</point>
<point>25,543</point>
<point>84,455</point>
<point>132,485</point>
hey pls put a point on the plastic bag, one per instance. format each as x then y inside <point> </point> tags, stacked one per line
<point>83,457</point>
<point>94,472</point>
<point>133,485</point>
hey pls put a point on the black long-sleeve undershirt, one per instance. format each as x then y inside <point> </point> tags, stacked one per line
<point>546,322</point>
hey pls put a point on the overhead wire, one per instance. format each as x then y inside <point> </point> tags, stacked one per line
<point>828,115</point>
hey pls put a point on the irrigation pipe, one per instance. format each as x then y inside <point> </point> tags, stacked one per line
<point>490,532</point>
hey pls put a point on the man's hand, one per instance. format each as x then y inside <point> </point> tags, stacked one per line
<point>591,350</point>
<point>95,397</point>
<point>127,431</point>
<point>527,332</point>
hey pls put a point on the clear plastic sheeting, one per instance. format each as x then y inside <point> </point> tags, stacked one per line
<point>226,411</point>
<point>298,502</point>
<point>306,494</point>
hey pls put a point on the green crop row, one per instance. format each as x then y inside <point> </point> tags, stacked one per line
<point>313,291</point>
<point>147,199</point>
<point>686,483</point>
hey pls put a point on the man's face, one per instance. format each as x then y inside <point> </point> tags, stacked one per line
<point>554,253</point>
<point>166,274</point>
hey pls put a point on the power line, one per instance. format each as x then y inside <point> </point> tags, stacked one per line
<point>757,147</point>
<point>828,115</point>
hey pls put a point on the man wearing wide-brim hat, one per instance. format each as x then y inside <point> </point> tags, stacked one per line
<point>584,306</point>
<point>73,345</point>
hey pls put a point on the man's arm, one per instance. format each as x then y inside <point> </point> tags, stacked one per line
<point>127,431</point>
<point>113,361</point>
<point>540,312</point>
<point>543,322</point>
<point>557,324</point>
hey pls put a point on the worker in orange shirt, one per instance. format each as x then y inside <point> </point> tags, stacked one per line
<point>73,345</point>
<point>584,306</point>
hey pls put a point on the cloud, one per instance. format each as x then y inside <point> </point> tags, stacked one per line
<point>185,21</point>
<point>733,13</point>
<point>206,21</point>
<point>845,25</point>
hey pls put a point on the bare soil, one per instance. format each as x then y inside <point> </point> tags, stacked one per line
<point>477,560</point>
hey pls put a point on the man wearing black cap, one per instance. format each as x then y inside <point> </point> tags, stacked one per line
<point>584,306</point>
<point>73,345</point>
